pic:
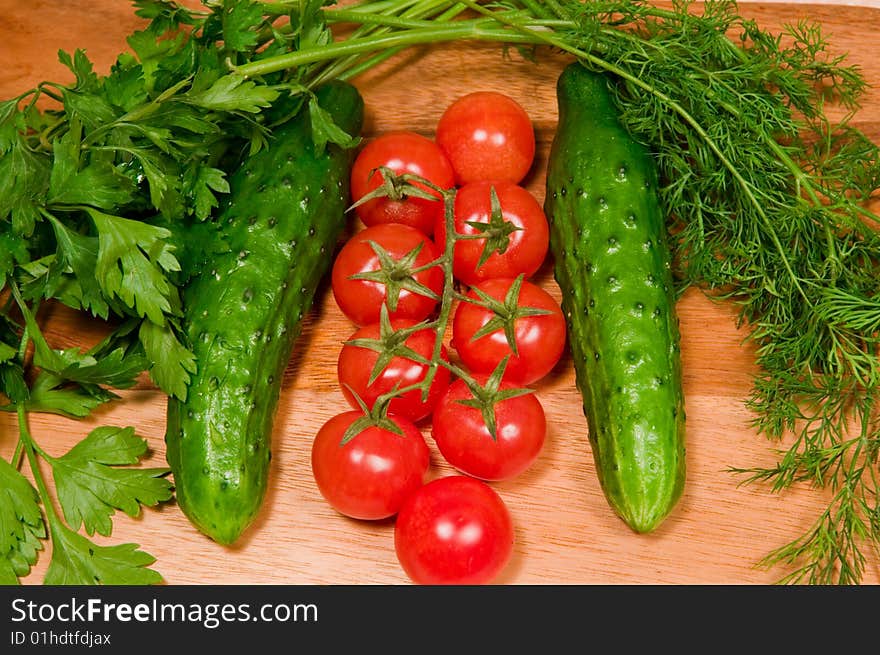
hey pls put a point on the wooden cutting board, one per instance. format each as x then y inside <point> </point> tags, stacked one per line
<point>565,532</point>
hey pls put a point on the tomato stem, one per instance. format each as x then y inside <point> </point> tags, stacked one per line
<point>486,395</point>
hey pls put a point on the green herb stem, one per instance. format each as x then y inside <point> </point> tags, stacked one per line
<point>17,454</point>
<point>352,66</point>
<point>453,31</point>
<point>31,449</point>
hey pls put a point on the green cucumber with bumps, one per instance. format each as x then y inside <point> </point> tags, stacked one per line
<point>612,262</point>
<point>242,315</point>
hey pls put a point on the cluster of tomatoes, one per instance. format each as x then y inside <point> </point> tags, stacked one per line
<point>392,279</point>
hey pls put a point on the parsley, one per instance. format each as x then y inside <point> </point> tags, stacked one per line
<point>91,487</point>
<point>21,525</point>
<point>102,198</point>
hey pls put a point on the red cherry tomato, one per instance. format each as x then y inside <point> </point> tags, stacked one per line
<point>402,152</point>
<point>355,365</point>
<point>487,136</point>
<point>369,476</point>
<point>540,339</point>
<point>526,246</point>
<point>453,530</point>
<point>465,441</point>
<point>361,299</point>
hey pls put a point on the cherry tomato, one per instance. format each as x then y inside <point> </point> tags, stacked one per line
<point>369,476</point>
<point>355,365</point>
<point>521,230</point>
<point>403,152</point>
<point>540,339</point>
<point>453,530</point>
<point>391,279</point>
<point>487,136</point>
<point>465,441</point>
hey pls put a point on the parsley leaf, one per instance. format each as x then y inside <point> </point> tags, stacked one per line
<point>206,181</point>
<point>133,258</point>
<point>78,561</point>
<point>7,352</point>
<point>234,92</point>
<point>92,485</point>
<point>240,20</point>
<point>82,68</point>
<point>13,249</point>
<point>24,179</point>
<point>52,394</point>
<point>97,183</point>
<point>21,525</point>
<point>161,175</point>
<point>164,14</point>
<point>172,362</point>
<point>152,51</point>
<point>309,27</point>
<point>124,87</point>
<point>325,130</point>
<point>12,382</point>
<point>116,368</point>
<point>80,253</point>
<point>12,122</point>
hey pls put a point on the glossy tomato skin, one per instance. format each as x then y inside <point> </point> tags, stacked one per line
<point>403,152</point>
<point>526,247</point>
<point>355,363</point>
<point>465,442</point>
<point>487,135</point>
<point>454,530</point>
<point>370,476</point>
<point>540,339</point>
<point>361,300</point>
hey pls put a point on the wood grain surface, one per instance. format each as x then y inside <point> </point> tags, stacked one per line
<point>565,532</point>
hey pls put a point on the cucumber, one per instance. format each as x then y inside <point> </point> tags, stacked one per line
<point>613,266</point>
<point>282,219</point>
